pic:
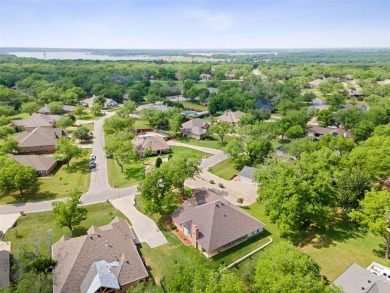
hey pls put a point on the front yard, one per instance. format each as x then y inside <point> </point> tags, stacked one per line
<point>63,181</point>
<point>214,143</point>
<point>224,170</point>
<point>41,227</point>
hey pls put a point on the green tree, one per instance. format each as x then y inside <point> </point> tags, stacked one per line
<point>64,122</point>
<point>79,110</point>
<point>299,146</point>
<point>295,131</point>
<point>158,162</point>
<point>16,176</point>
<point>374,212</point>
<point>81,133</point>
<point>188,166</point>
<point>116,124</point>
<point>10,146</point>
<point>96,110</point>
<point>130,106</point>
<point>236,148</point>
<point>5,131</point>
<point>68,150</point>
<point>325,117</point>
<point>334,100</point>
<point>69,213</point>
<point>221,129</point>
<point>308,97</point>
<point>100,100</point>
<point>285,105</point>
<point>259,149</point>
<point>349,117</point>
<point>30,107</point>
<point>122,151</point>
<point>56,108</point>
<point>285,268</point>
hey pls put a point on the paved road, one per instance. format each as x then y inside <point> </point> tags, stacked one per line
<point>145,228</point>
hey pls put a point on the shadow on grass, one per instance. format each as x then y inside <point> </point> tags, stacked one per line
<point>31,195</point>
<point>78,167</point>
<point>380,250</point>
<point>135,172</point>
<point>79,231</point>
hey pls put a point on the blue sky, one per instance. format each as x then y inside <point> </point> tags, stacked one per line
<point>184,24</point>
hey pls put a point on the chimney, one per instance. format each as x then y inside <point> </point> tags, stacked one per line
<point>194,234</point>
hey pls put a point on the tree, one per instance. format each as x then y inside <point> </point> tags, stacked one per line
<point>16,176</point>
<point>221,129</point>
<point>308,97</point>
<point>5,131</point>
<point>259,149</point>
<point>81,133</point>
<point>30,107</point>
<point>352,183</point>
<point>295,131</point>
<point>188,166</point>
<point>158,162</point>
<point>79,110</point>
<point>68,150</point>
<point>285,268</point>
<point>130,106</point>
<point>334,100</point>
<point>261,114</point>
<point>374,212</point>
<point>285,105</point>
<point>236,148</point>
<point>69,213</point>
<point>56,108</point>
<point>116,124</point>
<point>64,122</point>
<point>100,100</point>
<point>325,117</point>
<point>349,117</point>
<point>122,151</point>
<point>10,146</point>
<point>96,110</point>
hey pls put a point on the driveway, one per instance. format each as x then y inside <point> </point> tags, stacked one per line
<point>6,222</point>
<point>145,228</point>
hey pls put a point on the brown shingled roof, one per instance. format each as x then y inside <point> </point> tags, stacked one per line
<point>75,257</point>
<point>231,117</point>
<point>37,120</point>
<point>155,143</point>
<point>196,126</point>
<point>39,163</point>
<point>219,221</point>
<point>40,137</point>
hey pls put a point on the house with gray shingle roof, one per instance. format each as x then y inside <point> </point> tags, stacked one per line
<point>156,144</point>
<point>104,260</point>
<point>195,128</point>
<point>230,117</point>
<point>36,120</point>
<point>42,164</point>
<point>213,224</point>
<point>46,111</point>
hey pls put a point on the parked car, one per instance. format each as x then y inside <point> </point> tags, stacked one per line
<point>93,157</point>
<point>92,165</point>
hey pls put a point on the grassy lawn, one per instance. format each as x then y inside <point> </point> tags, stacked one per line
<point>224,170</point>
<point>194,106</point>
<point>141,124</point>
<point>214,143</point>
<point>41,227</point>
<point>134,173</point>
<point>63,181</point>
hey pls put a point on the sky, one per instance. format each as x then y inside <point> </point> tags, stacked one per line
<point>195,24</point>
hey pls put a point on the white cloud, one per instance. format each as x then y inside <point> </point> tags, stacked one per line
<point>218,21</point>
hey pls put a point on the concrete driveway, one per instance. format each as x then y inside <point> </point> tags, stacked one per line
<point>7,221</point>
<point>145,228</point>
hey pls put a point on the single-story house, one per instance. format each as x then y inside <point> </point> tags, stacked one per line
<point>230,117</point>
<point>39,141</point>
<point>45,110</point>
<point>5,264</point>
<point>104,260</point>
<point>364,108</point>
<point>314,83</point>
<point>318,132</point>
<point>195,128</point>
<point>264,104</point>
<point>89,101</point>
<point>384,82</point>
<point>357,279</point>
<point>213,224</point>
<point>354,94</point>
<point>156,144</point>
<point>206,76</point>
<point>107,102</point>
<point>42,164</point>
<point>247,174</point>
<point>110,103</point>
<point>156,106</point>
<point>36,120</point>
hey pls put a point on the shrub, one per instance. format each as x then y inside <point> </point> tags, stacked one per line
<point>240,200</point>
<point>221,185</point>
<point>212,181</point>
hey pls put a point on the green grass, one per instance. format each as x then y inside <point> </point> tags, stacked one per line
<point>141,124</point>
<point>224,170</point>
<point>134,173</point>
<point>194,106</point>
<point>63,181</point>
<point>214,143</point>
<point>39,227</point>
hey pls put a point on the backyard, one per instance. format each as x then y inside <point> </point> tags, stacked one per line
<point>39,227</point>
<point>63,181</point>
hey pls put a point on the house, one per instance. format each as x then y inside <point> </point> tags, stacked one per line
<point>45,110</point>
<point>206,76</point>
<point>357,279</point>
<point>213,224</point>
<point>213,90</point>
<point>174,91</point>
<point>195,128</point>
<point>263,104</point>
<point>157,106</point>
<point>156,144</point>
<point>36,120</point>
<point>364,108</point>
<point>318,132</point>
<point>42,164</point>
<point>89,101</point>
<point>104,260</point>
<point>41,140</point>
<point>247,174</point>
<point>354,94</point>
<point>110,103</point>
<point>230,117</point>
<point>5,264</point>
<point>384,82</point>
<point>314,83</point>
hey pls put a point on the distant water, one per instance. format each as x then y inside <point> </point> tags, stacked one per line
<point>80,55</point>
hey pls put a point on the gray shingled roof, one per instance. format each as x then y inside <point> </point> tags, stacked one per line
<point>219,221</point>
<point>40,137</point>
<point>45,109</point>
<point>248,172</point>
<point>231,117</point>
<point>37,120</point>
<point>76,256</point>
<point>196,126</point>
<point>155,143</point>
<point>357,279</point>
<point>39,163</point>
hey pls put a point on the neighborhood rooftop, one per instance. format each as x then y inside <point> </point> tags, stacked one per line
<point>231,117</point>
<point>36,120</point>
<point>40,137</point>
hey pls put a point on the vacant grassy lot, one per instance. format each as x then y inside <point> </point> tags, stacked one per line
<point>224,170</point>
<point>134,173</point>
<point>63,181</point>
<point>41,227</point>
